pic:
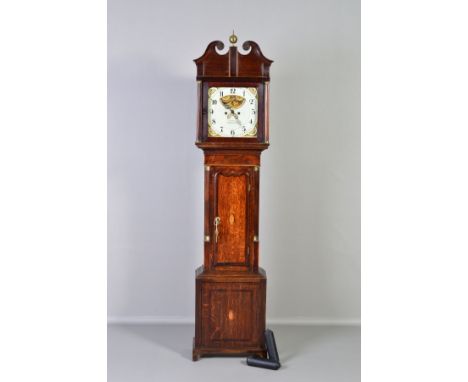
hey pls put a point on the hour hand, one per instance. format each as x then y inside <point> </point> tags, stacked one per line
<point>234,114</point>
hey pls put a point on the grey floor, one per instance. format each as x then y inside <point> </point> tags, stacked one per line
<point>140,353</point>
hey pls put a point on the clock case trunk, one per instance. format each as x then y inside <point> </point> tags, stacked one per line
<point>230,286</point>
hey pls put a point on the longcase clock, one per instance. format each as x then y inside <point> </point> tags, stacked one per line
<point>232,131</point>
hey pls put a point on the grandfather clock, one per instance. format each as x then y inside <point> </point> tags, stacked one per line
<point>232,131</point>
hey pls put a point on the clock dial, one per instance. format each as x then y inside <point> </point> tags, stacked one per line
<point>232,112</point>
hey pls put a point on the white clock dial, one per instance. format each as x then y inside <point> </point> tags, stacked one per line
<point>232,112</point>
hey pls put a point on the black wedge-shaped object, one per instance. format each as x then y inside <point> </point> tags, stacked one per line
<point>273,361</point>
<point>271,346</point>
<point>262,362</point>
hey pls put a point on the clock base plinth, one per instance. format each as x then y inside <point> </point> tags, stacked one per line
<point>230,314</point>
<point>199,352</point>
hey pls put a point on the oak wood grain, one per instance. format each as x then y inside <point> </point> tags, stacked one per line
<point>232,209</point>
<point>230,286</point>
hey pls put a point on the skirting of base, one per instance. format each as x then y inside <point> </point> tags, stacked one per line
<point>198,352</point>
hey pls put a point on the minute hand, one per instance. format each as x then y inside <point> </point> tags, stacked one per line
<point>234,114</point>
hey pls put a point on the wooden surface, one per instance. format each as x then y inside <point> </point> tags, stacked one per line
<point>232,209</point>
<point>230,194</point>
<point>252,64</point>
<point>230,287</point>
<point>230,312</point>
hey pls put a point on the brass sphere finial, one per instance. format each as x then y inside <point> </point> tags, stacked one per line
<point>233,38</point>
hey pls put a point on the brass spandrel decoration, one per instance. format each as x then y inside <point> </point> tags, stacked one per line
<point>253,91</point>
<point>253,133</point>
<point>211,132</point>
<point>211,91</point>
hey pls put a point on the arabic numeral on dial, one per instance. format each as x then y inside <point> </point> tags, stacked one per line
<point>221,93</point>
<point>253,111</point>
<point>214,102</point>
<point>251,121</point>
<point>251,101</point>
<point>233,91</point>
<point>221,128</point>
<point>213,121</point>
<point>212,111</point>
<point>244,129</point>
<point>233,132</point>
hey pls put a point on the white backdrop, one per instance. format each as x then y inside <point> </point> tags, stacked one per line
<point>310,175</point>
